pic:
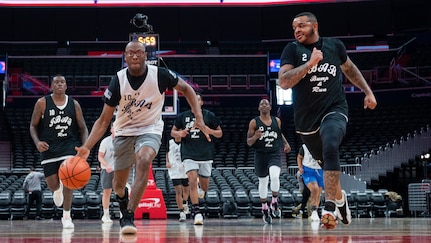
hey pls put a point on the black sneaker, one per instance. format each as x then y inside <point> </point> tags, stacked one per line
<point>266,216</point>
<point>122,202</point>
<point>126,222</point>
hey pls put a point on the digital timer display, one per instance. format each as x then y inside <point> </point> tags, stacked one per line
<point>148,40</point>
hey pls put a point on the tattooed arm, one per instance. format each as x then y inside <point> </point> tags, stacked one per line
<point>289,75</point>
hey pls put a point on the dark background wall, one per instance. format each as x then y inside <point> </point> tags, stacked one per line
<point>213,23</point>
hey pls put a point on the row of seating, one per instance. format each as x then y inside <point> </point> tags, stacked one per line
<point>238,186</point>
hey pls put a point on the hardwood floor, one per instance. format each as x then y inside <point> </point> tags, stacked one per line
<point>246,230</point>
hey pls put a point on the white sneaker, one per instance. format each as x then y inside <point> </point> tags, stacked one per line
<point>314,216</point>
<point>186,208</point>
<point>106,219</point>
<point>58,196</point>
<point>199,219</point>
<point>67,223</point>
<point>183,216</point>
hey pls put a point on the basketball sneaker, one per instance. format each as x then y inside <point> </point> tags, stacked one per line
<point>266,216</point>
<point>199,219</point>
<point>314,216</point>
<point>275,210</point>
<point>183,216</point>
<point>344,210</point>
<point>126,223</point>
<point>122,202</point>
<point>106,219</point>
<point>67,223</point>
<point>299,215</point>
<point>329,216</point>
<point>57,196</point>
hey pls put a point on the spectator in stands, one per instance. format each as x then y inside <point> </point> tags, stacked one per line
<point>32,186</point>
<point>106,159</point>
<point>312,66</point>
<point>312,175</point>
<point>178,176</point>
<point>138,92</point>
<point>298,211</point>
<point>56,121</point>
<point>197,152</point>
<point>265,136</point>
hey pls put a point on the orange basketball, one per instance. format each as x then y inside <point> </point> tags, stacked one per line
<point>74,172</point>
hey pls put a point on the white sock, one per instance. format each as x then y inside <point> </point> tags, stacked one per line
<point>66,214</point>
<point>106,212</point>
<point>340,202</point>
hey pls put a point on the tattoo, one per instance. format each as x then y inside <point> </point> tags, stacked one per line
<point>355,76</point>
<point>331,179</point>
<point>292,77</point>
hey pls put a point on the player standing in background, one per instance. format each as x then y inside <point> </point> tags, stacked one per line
<point>106,159</point>
<point>178,176</point>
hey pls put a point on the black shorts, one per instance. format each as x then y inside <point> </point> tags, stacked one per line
<point>183,182</point>
<point>262,162</point>
<point>51,168</point>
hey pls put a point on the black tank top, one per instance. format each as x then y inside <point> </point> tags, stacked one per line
<point>270,140</point>
<point>59,129</point>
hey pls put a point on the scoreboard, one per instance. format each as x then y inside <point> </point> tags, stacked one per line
<point>151,43</point>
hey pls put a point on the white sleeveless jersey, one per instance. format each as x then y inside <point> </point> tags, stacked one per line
<point>174,155</point>
<point>308,160</point>
<point>139,111</point>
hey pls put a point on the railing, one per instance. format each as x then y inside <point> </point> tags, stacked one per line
<point>393,155</point>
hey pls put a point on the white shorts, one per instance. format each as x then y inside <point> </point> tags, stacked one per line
<point>202,167</point>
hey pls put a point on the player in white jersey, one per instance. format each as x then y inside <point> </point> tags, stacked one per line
<point>178,176</point>
<point>139,93</point>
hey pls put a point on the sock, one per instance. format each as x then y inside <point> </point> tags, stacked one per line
<point>106,212</point>
<point>313,208</point>
<point>196,208</point>
<point>340,202</point>
<point>274,199</point>
<point>66,214</point>
<point>184,202</point>
<point>264,206</point>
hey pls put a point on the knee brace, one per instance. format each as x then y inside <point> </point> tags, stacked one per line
<point>263,187</point>
<point>274,173</point>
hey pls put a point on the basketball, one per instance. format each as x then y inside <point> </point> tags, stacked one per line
<point>74,172</point>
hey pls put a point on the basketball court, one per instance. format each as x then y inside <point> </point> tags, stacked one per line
<point>246,230</point>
